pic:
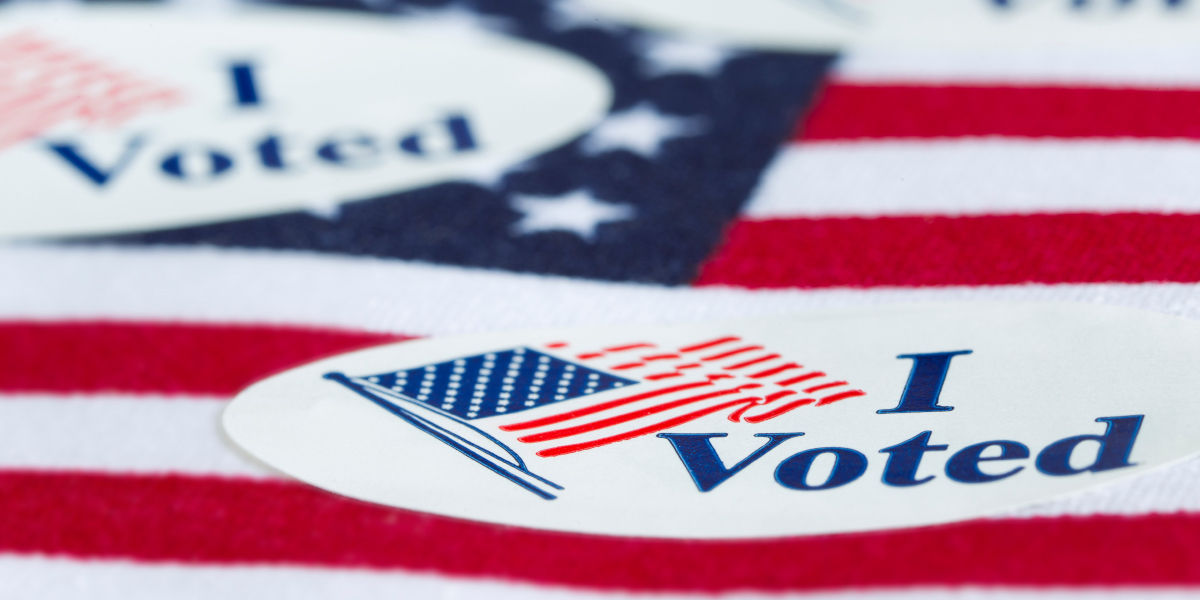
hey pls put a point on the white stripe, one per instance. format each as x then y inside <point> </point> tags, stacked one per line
<point>142,434</point>
<point>65,579</point>
<point>157,434</point>
<point>978,176</point>
<point>198,284</point>
<point>1118,65</point>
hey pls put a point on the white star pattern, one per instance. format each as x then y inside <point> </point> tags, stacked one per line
<point>641,129</point>
<point>576,212</point>
<point>665,55</point>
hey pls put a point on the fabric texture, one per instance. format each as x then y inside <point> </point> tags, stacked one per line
<point>798,180</point>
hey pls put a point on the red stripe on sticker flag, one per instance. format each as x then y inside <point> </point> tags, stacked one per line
<point>71,357</point>
<point>205,520</point>
<point>976,250</point>
<point>849,111</point>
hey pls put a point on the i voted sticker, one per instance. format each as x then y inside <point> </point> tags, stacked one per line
<point>828,422</point>
<point>125,119</point>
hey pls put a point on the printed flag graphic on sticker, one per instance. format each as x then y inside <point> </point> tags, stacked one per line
<point>453,400</point>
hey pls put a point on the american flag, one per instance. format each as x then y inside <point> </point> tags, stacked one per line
<point>726,376</point>
<point>672,386</point>
<point>912,175</point>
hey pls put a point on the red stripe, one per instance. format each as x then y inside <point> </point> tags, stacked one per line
<point>736,415</point>
<point>660,357</point>
<point>709,344</point>
<point>733,352</point>
<point>583,412</point>
<point>197,520</point>
<point>629,435</point>
<point>847,111</point>
<point>841,396</point>
<point>557,434</point>
<point>159,357</point>
<point>658,376</point>
<point>774,370</point>
<point>751,362</point>
<point>676,372</point>
<point>976,250</point>
<point>824,386</point>
<point>805,377</point>
<point>779,411</point>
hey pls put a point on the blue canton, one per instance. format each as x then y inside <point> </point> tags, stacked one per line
<point>504,382</point>
<point>660,208</point>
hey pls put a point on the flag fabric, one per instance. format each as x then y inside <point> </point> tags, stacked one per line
<point>714,189</point>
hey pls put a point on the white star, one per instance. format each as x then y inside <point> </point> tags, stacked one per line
<point>641,129</point>
<point>577,212</point>
<point>329,210</point>
<point>663,55</point>
<point>565,15</point>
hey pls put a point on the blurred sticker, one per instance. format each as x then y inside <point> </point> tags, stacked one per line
<point>981,24</point>
<point>124,119</point>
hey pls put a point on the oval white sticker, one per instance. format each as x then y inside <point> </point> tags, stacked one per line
<point>138,118</point>
<point>829,422</point>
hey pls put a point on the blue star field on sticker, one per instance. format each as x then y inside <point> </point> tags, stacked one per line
<point>691,127</point>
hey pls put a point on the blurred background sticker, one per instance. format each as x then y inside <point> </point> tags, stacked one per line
<point>965,24</point>
<point>119,119</point>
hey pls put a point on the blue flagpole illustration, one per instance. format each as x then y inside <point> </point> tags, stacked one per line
<point>511,467</point>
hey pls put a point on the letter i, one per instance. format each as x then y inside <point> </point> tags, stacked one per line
<point>245,86</point>
<point>924,384</point>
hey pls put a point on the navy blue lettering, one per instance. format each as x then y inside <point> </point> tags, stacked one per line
<point>245,90</point>
<point>964,465</point>
<point>96,174</point>
<point>217,163</point>
<point>905,459</point>
<point>350,151</point>
<point>1115,446</point>
<point>705,466</point>
<point>924,384</point>
<point>848,465</point>
<point>459,132</point>
<point>270,153</point>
